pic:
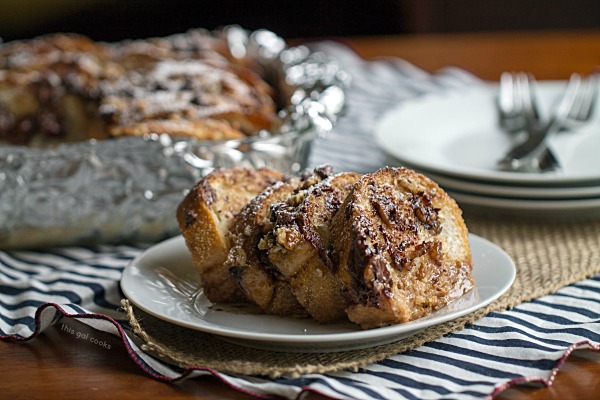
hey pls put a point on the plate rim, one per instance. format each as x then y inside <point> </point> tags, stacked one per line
<point>547,205</point>
<point>337,338</point>
<point>542,193</point>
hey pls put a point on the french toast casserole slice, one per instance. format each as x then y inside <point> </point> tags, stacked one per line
<point>248,260</point>
<point>378,249</point>
<point>205,216</point>
<point>298,245</point>
<point>400,248</point>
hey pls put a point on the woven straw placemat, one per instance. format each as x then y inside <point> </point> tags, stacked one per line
<point>548,256</point>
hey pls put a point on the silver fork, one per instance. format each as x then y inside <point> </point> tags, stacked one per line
<point>518,110</point>
<point>575,109</point>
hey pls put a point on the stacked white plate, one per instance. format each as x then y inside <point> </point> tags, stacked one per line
<point>454,138</point>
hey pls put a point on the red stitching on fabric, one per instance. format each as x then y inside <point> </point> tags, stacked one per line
<point>546,382</point>
<point>131,352</point>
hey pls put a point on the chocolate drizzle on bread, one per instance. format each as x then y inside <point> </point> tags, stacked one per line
<point>300,245</point>
<point>257,276</point>
<point>379,249</point>
<point>400,248</point>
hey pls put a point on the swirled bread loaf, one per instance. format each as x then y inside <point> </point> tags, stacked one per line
<point>400,248</point>
<point>205,216</point>
<point>65,87</point>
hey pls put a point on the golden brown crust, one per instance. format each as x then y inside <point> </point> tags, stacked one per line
<point>201,129</point>
<point>205,216</point>
<point>299,243</point>
<point>400,248</point>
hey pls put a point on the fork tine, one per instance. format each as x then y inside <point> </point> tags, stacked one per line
<point>517,93</point>
<point>588,98</point>
<point>578,107</point>
<point>509,106</point>
<point>527,98</point>
<point>505,95</point>
<point>572,93</point>
<point>524,92</point>
<point>593,92</point>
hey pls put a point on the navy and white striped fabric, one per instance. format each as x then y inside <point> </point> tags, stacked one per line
<point>527,343</point>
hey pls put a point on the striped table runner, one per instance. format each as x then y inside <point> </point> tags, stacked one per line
<point>527,343</point>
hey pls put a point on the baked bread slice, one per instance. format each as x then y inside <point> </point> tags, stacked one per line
<point>205,216</point>
<point>400,248</point>
<point>299,246</point>
<point>248,259</point>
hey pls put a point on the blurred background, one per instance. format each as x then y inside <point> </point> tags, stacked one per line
<point>111,20</point>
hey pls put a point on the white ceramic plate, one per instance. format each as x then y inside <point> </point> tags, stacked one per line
<point>456,133</point>
<point>555,209</point>
<point>516,192</point>
<point>162,281</point>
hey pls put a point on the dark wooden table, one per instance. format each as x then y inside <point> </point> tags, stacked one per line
<point>55,365</point>
<point>548,55</point>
